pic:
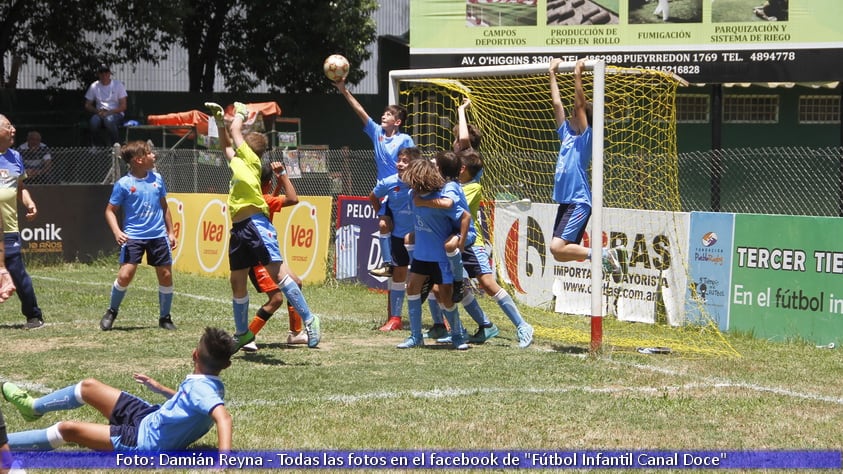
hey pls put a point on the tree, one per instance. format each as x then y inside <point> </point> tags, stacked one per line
<point>202,24</point>
<point>280,42</point>
<point>72,37</point>
<point>284,42</point>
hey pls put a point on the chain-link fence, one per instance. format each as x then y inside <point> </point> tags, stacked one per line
<point>787,180</point>
<point>334,172</point>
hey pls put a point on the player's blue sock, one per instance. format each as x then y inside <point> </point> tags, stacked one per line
<point>36,440</point>
<point>435,310</point>
<point>165,299</point>
<point>396,298</point>
<point>453,316</point>
<point>410,249</point>
<point>508,307</point>
<point>294,295</point>
<point>45,439</point>
<point>68,398</point>
<point>240,308</point>
<point>117,294</point>
<point>472,307</point>
<point>386,247</point>
<point>414,310</point>
<point>455,259</point>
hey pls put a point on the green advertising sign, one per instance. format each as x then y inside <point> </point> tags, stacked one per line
<point>701,40</point>
<point>786,277</point>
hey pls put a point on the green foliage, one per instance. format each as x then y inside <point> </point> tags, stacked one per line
<point>72,37</point>
<point>280,42</point>
<point>285,42</point>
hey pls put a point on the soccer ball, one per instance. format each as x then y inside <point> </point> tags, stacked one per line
<point>336,67</point>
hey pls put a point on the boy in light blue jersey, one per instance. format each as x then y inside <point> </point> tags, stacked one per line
<point>254,240</point>
<point>388,141</point>
<point>147,229</point>
<point>432,226</point>
<point>400,207</point>
<point>453,196</point>
<point>571,189</point>
<point>133,424</point>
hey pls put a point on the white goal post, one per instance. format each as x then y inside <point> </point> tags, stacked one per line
<point>598,69</point>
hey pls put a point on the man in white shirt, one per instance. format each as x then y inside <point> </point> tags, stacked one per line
<point>106,100</point>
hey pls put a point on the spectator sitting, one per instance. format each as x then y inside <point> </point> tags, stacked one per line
<point>36,159</point>
<point>106,100</point>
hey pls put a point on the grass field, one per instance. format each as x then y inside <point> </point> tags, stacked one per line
<point>357,392</point>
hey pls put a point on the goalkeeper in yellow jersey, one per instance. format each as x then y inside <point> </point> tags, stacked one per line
<point>571,189</point>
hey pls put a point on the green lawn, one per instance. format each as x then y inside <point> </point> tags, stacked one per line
<point>505,14</point>
<point>723,11</point>
<point>357,392</point>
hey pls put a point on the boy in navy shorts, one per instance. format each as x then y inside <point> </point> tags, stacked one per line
<point>133,424</point>
<point>147,229</point>
<point>387,141</point>
<point>254,240</point>
<point>571,189</point>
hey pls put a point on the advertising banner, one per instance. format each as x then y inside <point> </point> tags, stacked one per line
<point>710,265</point>
<point>786,275</point>
<point>202,226</point>
<point>652,244</point>
<point>522,233</point>
<point>700,40</point>
<point>357,246</point>
<point>69,226</point>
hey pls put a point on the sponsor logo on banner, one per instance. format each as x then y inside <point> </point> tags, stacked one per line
<point>520,229</point>
<point>302,235</point>
<point>710,265</point>
<point>212,235</point>
<point>651,243</point>
<point>177,213</point>
<point>45,239</point>
<point>786,277</point>
<point>357,244</point>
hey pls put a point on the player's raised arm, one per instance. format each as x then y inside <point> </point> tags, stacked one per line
<point>463,137</point>
<point>558,108</point>
<point>579,121</point>
<point>358,109</point>
<point>291,197</point>
<point>218,114</point>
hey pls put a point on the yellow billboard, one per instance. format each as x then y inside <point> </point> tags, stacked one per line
<point>202,225</point>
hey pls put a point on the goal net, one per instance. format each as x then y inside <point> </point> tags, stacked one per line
<point>636,197</point>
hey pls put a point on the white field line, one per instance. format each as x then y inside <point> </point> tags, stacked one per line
<point>704,382</point>
<point>725,383</point>
<point>134,288</point>
<point>449,393</point>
